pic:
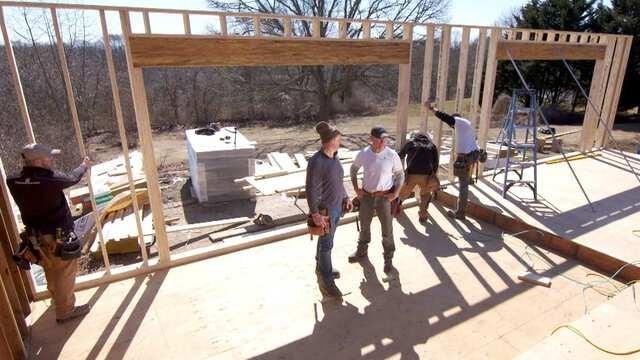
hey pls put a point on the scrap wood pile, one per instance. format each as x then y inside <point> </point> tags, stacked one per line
<point>119,227</point>
<point>115,206</point>
<point>108,180</point>
<point>280,174</point>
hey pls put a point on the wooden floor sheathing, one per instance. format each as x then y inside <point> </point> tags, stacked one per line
<point>456,295</point>
<point>562,208</point>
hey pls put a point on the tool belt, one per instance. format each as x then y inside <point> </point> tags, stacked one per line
<point>318,230</point>
<point>29,250</point>
<point>68,245</point>
<point>464,162</point>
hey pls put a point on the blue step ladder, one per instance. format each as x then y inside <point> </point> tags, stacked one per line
<point>518,136</point>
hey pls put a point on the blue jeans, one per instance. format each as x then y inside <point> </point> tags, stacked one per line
<point>325,244</point>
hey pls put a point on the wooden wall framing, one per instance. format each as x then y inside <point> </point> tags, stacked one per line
<point>149,49</point>
<point>179,51</point>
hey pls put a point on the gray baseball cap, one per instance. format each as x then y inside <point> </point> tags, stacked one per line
<point>36,151</point>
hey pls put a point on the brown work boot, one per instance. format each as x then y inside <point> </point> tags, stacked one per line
<point>329,290</point>
<point>334,272</point>
<point>76,312</point>
<point>359,254</point>
<point>456,215</point>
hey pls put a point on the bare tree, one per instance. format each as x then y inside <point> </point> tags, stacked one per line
<point>326,82</point>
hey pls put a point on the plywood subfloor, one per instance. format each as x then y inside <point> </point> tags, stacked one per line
<point>456,295</point>
<point>613,326</point>
<point>563,209</point>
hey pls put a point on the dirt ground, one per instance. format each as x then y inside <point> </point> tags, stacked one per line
<point>171,158</point>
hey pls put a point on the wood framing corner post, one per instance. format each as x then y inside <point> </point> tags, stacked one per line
<point>143,123</point>
<point>487,94</point>
<point>404,92</point>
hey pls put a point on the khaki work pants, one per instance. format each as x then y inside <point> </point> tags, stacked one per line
<point>428,185</point>
<point>61,276</point>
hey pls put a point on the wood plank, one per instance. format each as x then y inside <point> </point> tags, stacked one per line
<point>621,59</point>
<point>160,51</point>
<point>257,29</point>
<point>287,27</point>
<point>202,225</point>
<point>342,29</point>
<point>487,94</point>
<point>599,80</point>
<point>523,50</point>
<point>302,161</point>
<point>71,101</point>
<point>141,110</point>
<point>187,23</point>
<point>9,327</point>
<point>481,50</point>
<point>461,84</point>
<point>147,22</point>
<point>462,69</point>
<point>223,24</point>
<point>12,287</point>
<point>427,72</point>
<point>404,93</point>
<point>316,28</point>
<point>284,161</point>
<point>366,29</point>
<point>388,32</point>
<point>551,36</point>
<point>9,219</point>
<point>5,350</point>
<point>15,77</point>
<point>443,73</point>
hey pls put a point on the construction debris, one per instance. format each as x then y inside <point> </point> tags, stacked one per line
<point>535,279</point>
<point>108,180</point>
<point>288,177</point>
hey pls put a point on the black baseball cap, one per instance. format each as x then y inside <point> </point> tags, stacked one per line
<point>379,132</point>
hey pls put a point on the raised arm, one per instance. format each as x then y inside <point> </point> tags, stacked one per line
<point>65,180</point>
<point>444,117</point>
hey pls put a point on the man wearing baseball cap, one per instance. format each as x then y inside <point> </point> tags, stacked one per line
<point>37,191</point>
<point>467,154</point>
<point>326,197</point>
<point>383,178</point>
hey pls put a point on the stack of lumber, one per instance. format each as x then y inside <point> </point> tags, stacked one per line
<point>120,232</point>
<point>546,143</point>
<point>286,181</point>
<point>119,227</point>
<point>216,160</point>
<point>108,180</point>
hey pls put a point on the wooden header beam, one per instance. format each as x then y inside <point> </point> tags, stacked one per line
<point>523,50</point>
<point>177,51</point>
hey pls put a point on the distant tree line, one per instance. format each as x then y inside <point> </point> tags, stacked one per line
<point>189,97</point>
<point>551,78</point>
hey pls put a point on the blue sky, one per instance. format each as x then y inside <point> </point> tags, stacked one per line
<point>469,12</point>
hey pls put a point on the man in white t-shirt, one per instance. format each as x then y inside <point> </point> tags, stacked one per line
<point>467,153</point>
<point>383,179</point>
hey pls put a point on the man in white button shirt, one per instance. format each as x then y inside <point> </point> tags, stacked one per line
<point>383,178</point>
<point>467,154</point>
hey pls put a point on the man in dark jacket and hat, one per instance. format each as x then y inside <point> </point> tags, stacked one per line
<point>37,191</point>
<point>421,170</point>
